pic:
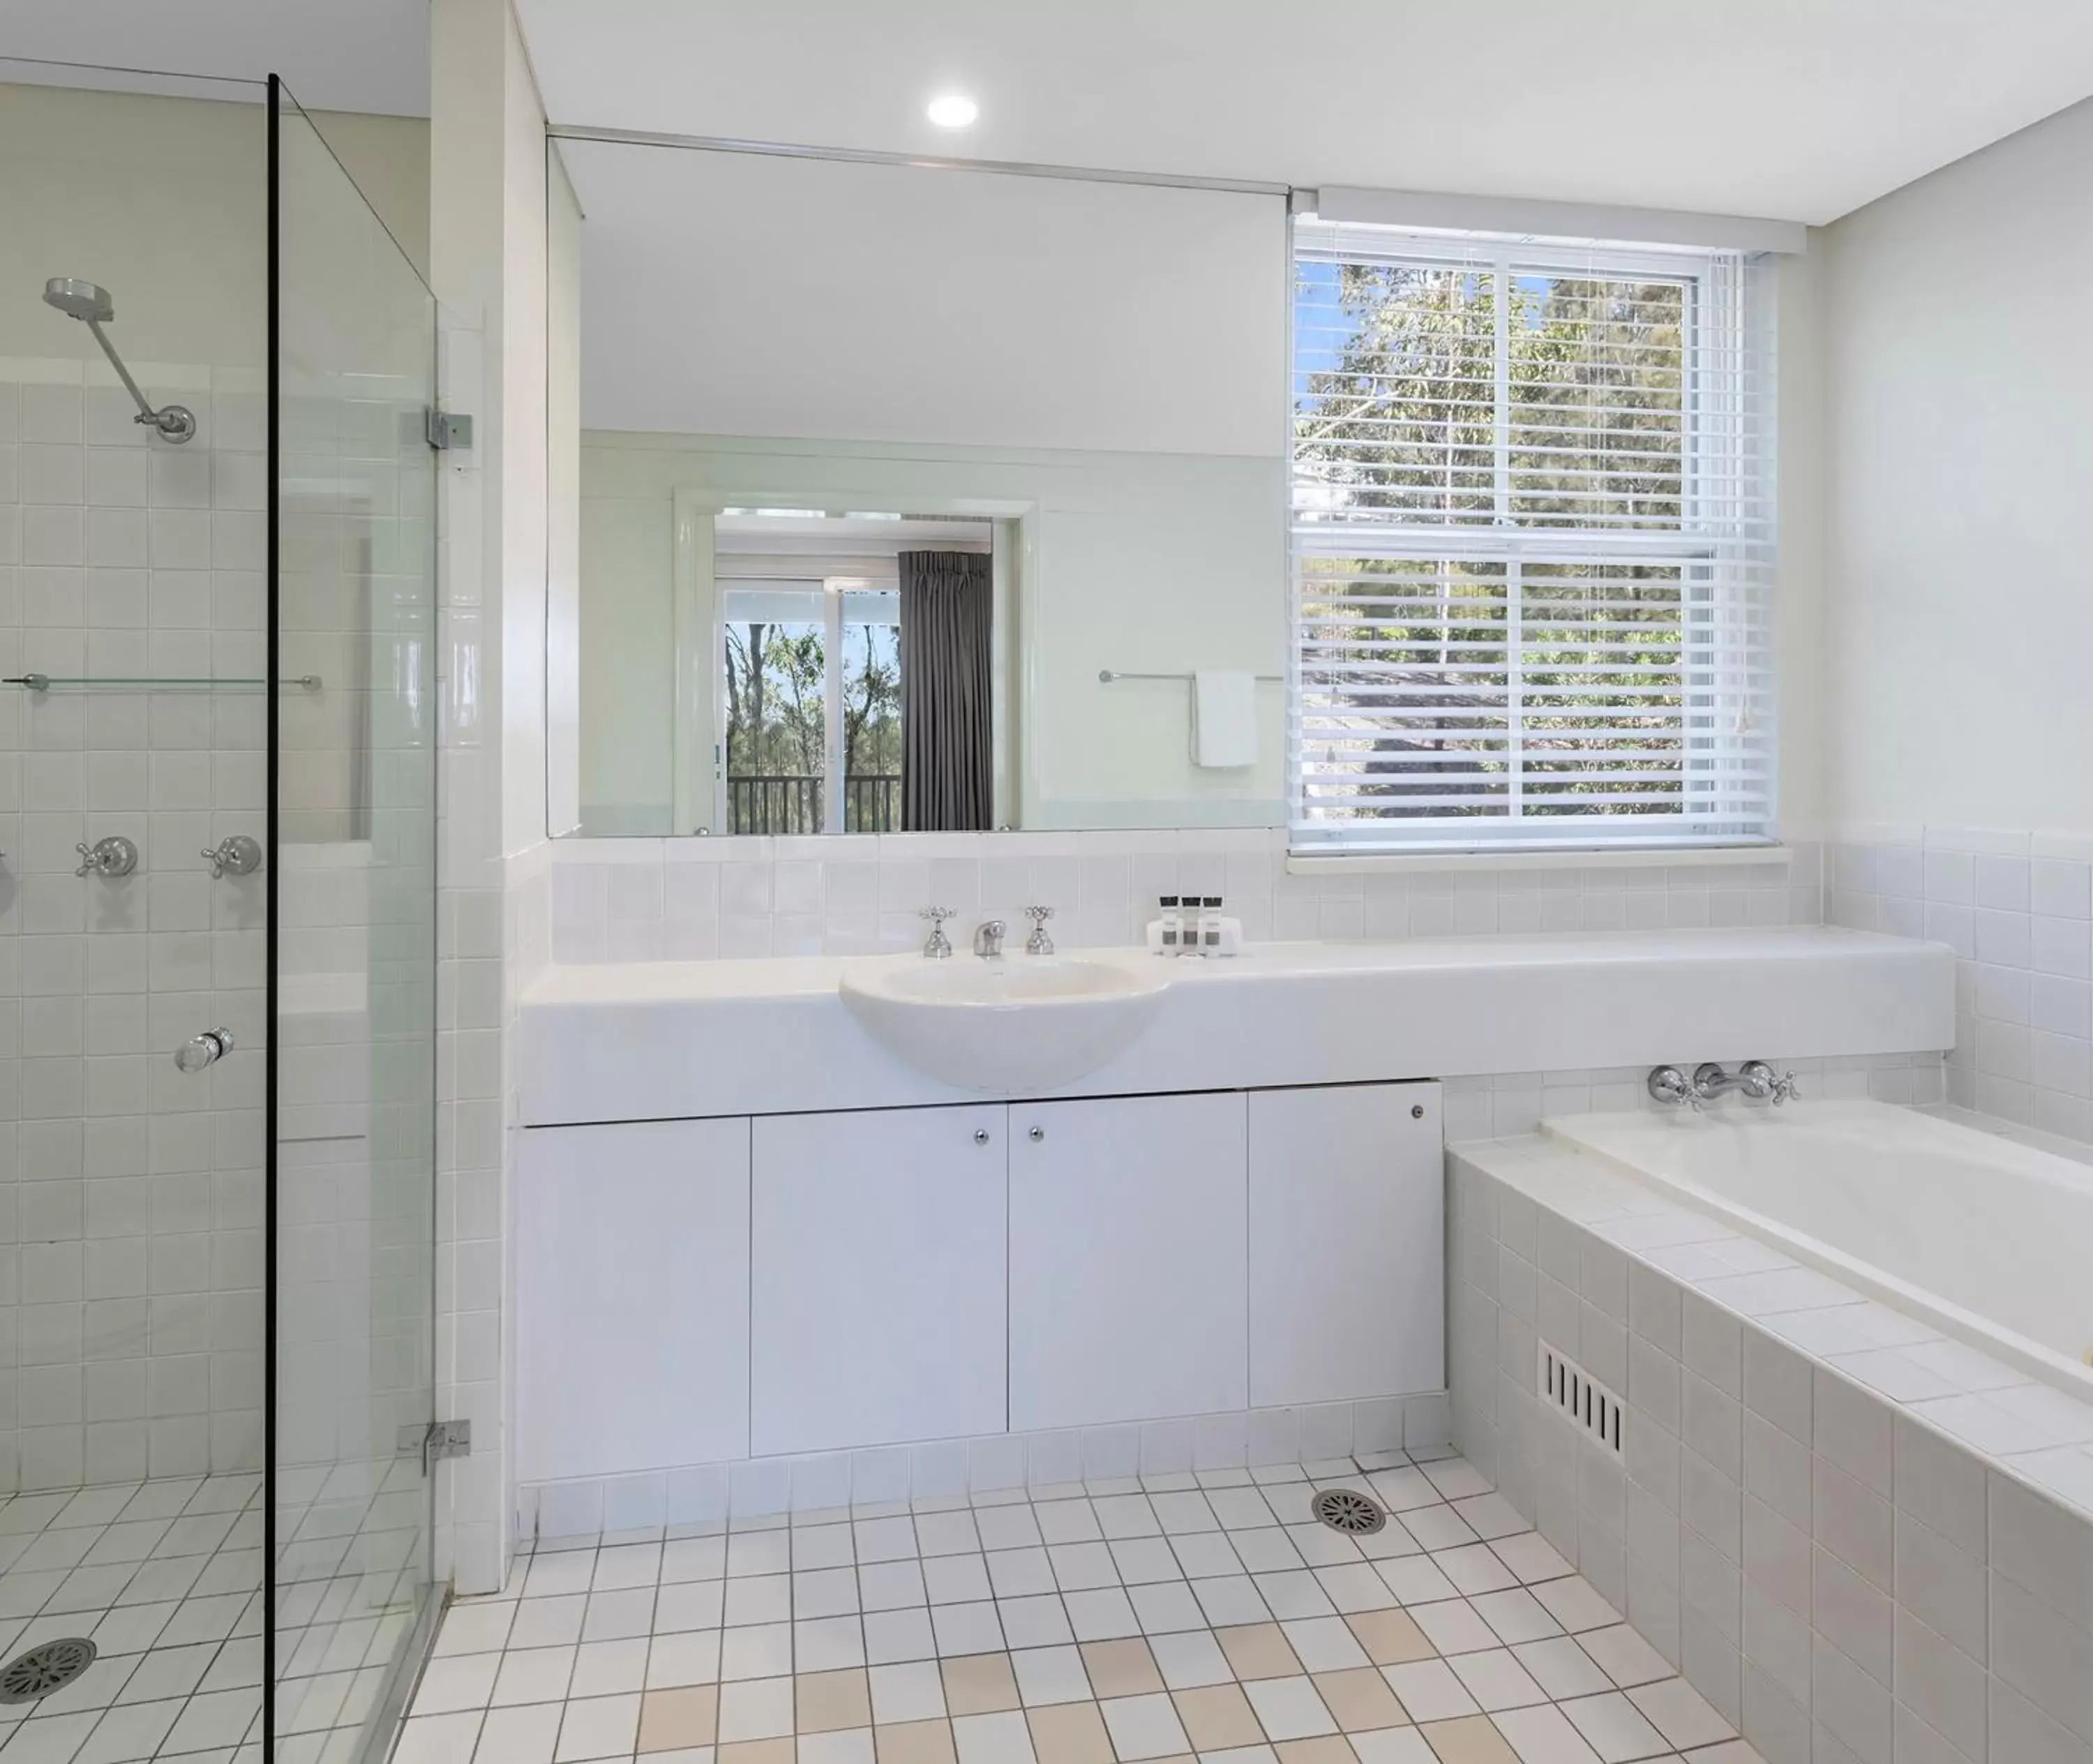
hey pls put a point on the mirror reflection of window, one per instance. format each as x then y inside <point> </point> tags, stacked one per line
<point>817,721</point>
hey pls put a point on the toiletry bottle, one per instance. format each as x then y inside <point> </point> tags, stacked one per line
<point>1172,925</point>
<point>1210,927</point>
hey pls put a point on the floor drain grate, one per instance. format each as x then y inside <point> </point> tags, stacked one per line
<point>45,1669</point>
<point>1346,1509</point>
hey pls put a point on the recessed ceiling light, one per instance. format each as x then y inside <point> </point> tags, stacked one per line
<point>953,110</point>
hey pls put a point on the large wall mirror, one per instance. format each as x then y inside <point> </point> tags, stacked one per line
<point>892,499</point>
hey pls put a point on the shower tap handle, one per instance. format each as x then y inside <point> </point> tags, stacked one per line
<point>235,854</point>
<point>112,856</point>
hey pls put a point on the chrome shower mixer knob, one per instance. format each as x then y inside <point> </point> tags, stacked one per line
<point>112,856</point>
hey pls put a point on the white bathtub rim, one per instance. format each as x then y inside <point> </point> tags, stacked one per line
<point>2038,1363</point>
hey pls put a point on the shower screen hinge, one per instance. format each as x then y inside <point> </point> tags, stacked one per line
<point>436,1440</point>
<point>447,429</point>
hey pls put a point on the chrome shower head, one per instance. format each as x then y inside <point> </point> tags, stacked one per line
<point>91,305</point>
<point>80,299</point>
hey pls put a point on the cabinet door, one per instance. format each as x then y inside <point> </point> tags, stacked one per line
<point>879,1298</point>
<point>1347,1233</point>
<point>1127,1259</point>
<point>631,1297</point>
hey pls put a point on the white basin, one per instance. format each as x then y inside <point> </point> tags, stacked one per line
<point>1011,1024</point>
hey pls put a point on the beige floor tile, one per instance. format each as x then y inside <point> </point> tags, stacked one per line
<point>1471,1740</point>
<point>1068,1733</point>
<point>1389,1637</point>
<point>1218,1717</point>
<point>1257,1650</point>
<point>831,1701</point>
<point>915,1742</point>
<point>1360,1699</point>
<point>1121,1668</point>
<point>1330,1750</point>
<point>980,1684</point>
<point>671,1719</point>
<point>756,1752</point>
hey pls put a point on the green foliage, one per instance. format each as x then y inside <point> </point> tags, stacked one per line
<point>1424,669</point>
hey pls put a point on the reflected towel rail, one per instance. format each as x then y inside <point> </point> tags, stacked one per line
<point>43,683</point>
<point>1105,676</point>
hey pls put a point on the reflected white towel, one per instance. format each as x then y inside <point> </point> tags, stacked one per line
<point>1224,716</point>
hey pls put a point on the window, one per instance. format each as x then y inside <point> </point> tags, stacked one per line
<point>1532,545</point>
<point>811,697</point>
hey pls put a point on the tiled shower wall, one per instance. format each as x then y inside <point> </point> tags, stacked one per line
<point>131,1195</point>
<point>699,899</point>
<point>2017,909</point>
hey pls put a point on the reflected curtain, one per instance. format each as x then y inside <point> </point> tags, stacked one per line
<point>945,751</point>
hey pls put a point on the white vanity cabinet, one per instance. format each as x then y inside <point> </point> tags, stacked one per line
<point>1347,1243</point>
<point>1128,1259</point>
<point>691,1292</point>
<point>631,1297</point>
<point>877,1296</point>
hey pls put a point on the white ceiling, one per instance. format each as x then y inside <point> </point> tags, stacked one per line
<point>1795,109</point>
<point>334,55</point>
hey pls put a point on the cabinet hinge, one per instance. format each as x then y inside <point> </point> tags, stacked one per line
<point>436,1440</point>
<point>446,429</point>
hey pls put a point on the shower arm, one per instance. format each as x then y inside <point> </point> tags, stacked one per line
<point>174,422</point>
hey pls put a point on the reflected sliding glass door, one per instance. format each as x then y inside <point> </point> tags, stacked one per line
<point>351,1126</point>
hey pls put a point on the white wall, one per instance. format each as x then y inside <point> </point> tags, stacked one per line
<point>176,189</point>
<point>1960,455</point>
<point>489,267</point>
<point>736,294</point>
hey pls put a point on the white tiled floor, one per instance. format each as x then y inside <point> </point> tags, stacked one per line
<point>165,1578</point>
<point>1123,1621</point>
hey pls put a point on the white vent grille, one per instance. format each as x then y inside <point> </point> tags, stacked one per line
<point>1580,1398</point>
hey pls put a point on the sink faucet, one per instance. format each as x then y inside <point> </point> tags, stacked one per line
<point>939,946</point>
<point>988,938</point>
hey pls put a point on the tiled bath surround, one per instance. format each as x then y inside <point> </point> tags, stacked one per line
<point>131,1206</point>
<point>2017,909</point>
<point>699,899</point>
<point>1858,1541</point>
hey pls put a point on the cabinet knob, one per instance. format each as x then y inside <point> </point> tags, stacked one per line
<point>980,1136</point>
<point>1038,1134</point>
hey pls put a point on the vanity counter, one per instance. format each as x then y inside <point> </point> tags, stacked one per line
<point>669,1040</point>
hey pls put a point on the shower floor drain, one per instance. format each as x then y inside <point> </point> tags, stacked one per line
<point>1346,1509</point>
<point>45,1669</point>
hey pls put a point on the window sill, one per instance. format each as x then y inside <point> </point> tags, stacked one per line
<point>1646,857</point>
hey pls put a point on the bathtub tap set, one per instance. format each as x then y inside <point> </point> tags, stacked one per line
<point>1757,1080</point>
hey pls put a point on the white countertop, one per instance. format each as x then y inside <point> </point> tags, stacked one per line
<point>656,1040</point>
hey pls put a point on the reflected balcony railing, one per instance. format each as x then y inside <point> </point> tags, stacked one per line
<point>785,803</point>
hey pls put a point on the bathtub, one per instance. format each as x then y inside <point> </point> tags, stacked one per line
<point>1988,1240</point>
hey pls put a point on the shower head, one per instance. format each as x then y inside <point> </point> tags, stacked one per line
<point>78,300</point>
<point>91,304</point>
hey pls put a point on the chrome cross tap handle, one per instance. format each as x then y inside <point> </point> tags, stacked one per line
<point>113,856</point>
<point>1759,1081</point>
<point>235,854</point>
<point>939,946</point>
<point>1039,943</point>
<point>1669,1086</point>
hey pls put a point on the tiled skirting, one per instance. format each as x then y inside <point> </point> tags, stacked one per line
<point>707,1493</point>
<point>1847,1539</point>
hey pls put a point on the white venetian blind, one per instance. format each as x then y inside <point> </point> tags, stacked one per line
<point>1532,543</point>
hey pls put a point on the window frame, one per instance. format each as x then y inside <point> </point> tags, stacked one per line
<point>1722,545</point>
